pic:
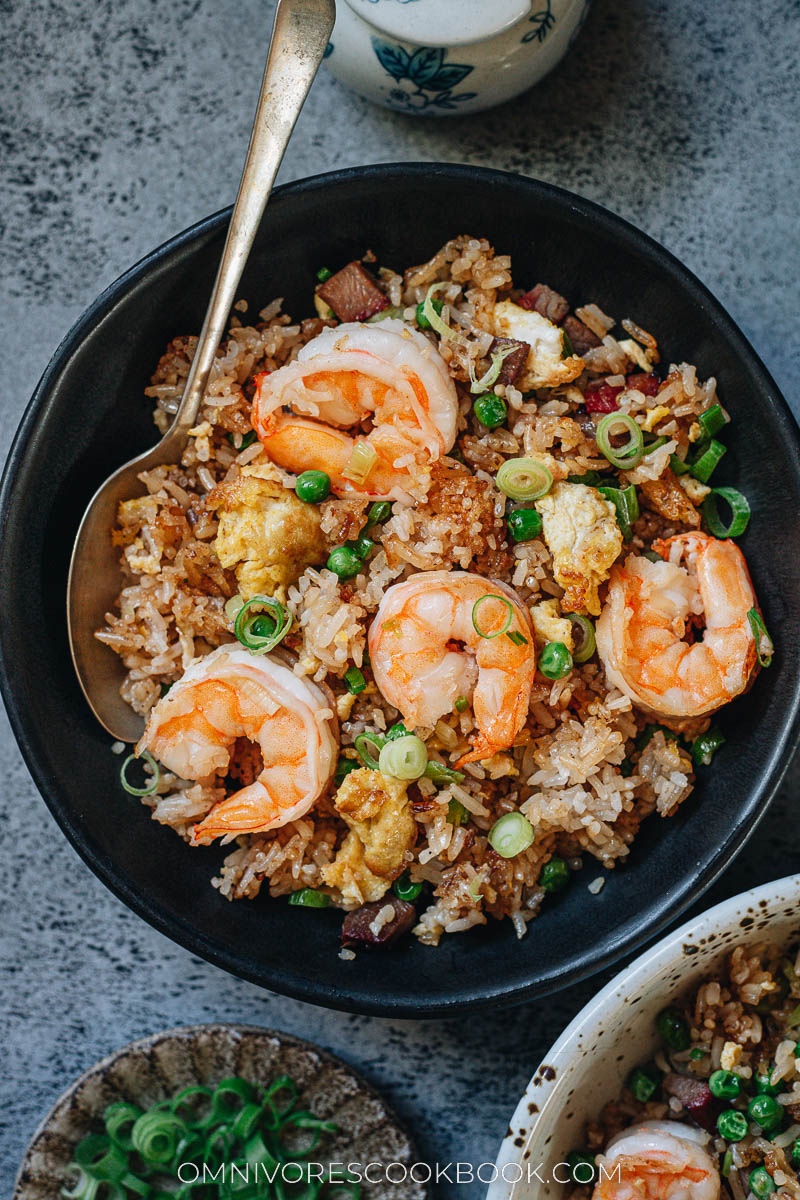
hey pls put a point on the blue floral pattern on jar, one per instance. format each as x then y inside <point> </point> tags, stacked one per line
<point>542,22</point>
<point>433,77</point>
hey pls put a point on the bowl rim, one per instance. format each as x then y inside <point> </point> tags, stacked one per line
<point>473,994</point>
<point>651,963</point>
<point>240,1029</point>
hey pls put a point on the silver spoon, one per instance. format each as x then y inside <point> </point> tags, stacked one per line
<point>299,37</point>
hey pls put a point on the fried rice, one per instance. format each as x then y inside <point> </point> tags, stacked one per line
<point>729,1046</point>
<point>586,769</point>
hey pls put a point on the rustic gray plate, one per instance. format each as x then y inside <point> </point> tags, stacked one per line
<point>155,1067</point>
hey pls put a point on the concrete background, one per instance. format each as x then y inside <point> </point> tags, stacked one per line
<point>122,122</point>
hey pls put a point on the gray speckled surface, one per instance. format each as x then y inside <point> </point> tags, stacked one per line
<point>120,124</point>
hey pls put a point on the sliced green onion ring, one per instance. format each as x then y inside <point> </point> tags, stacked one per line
<point>152,785</point>
<point>439,773</point>
<point>432,316</point>
<point>524,479</point>
<point>512,834</point>
<point>368,748</point>
<point>713,420</point>
<point>247,631</point>
<point>489,377</point>
<point>656,444</point>
<point>361,461</point>
<point>587,645</point>
<point>623,457</point>
<point>765,648</point>
<point>404,757</point>
<point>740,512</point>
<point>703,467</point>
<point>516,637</point>
<point>506,624</point>
<point>156,1136</point>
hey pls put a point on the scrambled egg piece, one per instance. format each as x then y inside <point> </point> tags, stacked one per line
<point>653,417</point>
<point>382,829</point>
<point>265,533</point>
<point>731,1055</point>
<point>549,626</point>
<point>547,365</point>
<point>582,534</point>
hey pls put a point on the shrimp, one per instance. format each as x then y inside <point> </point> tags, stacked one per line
<point>657,1160</point>
<point>649,604</point>
<point>426,651</point>
<point>308,414</point>
<point>232,694</point>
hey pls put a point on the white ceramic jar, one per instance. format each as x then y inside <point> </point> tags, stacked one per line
<point>449,57</point>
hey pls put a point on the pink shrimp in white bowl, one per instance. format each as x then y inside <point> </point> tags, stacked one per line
<point>440,635</point>
<point>380,390</point>
<point>641,632</point>
<point>233,694</point>
<point>657,1160</point>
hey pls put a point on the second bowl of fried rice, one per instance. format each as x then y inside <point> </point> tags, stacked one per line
<point>681,1078</point>
<point>464,616</point>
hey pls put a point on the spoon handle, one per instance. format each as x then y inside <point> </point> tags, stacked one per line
<point>299,37</point>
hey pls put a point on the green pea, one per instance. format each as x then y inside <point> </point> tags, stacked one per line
<point>732,1125</point>
<point>582,1167</point>
<point>725,1085</point>
<point>422,320</point>
<point>324,273</point>
<point>490,410</point>
<point>456,813</point>
<point>643,1084</point>
<point>765,1088</point>
<point>554,875</point>
<point>355,681</point>
<point>262,627</point>
<point>344,562</point>
<point>673,1030</point>
<point>524,524</point>
<point>310,898</point>
<point>796,1151</point>
<point>555,661</point>
<point>705,747</point>
<point>344,767</point>
<point>405,889</point>
<point>379,512</point>
<point>766,1112</point>
<point>761,1183</point>
<point>313,486</point>
<point>362,546</point>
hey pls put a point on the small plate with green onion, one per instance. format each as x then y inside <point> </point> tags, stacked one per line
<point>232,1104</point>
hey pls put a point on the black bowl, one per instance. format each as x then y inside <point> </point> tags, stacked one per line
<point>88,415</point>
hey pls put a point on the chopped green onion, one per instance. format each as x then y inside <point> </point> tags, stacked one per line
<point>524,479</point>
<point>405,889</point>
<point>705,746</point>
<point>793,1018</point>
<point>260,632</point>
<point>516,637</point>
<point>379,512</point>
<point>673,1030</point>
<point>156,1136</point>
<point>152,785</point>
<point>404,758</point>
<point>310,898</point>
<point>512,834</point>
<point>456,813</point>
<point>555,661</point>
<point>354,678</point>
<point>392,310</point>
<point>361,461</point>
<point>703,467</point>
<point>740,512</point>
<point>712,420</point>
<point>439,773</point>
<point>588,479</point>
<point>623,457</point>
<point>587,644</point>
<point>324,273</point>
<point>656,444</point>
<point>567,349</point>
<point>396,731</point>
<point>727,1163</point>
<point>363,546</point>
<point>765,649</point>
<point>489,376</point>
<point>119,1120</point>
<point>434,318</point>
<point>648,731</point>
<point>461,704</point>
<point>232,606</point>
<point>678,465</point>
<point>696,1054</point>
<point>506,624</point>
<point>626,503</point>
<point>368,748</point>
<point>582,1167</point>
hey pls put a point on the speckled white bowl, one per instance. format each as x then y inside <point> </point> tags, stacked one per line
<point>614,1033</point>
